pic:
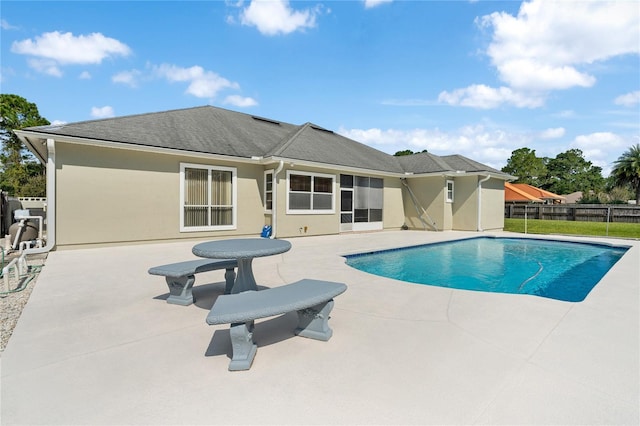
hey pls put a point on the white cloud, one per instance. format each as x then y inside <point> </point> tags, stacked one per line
<point>239,101</point>
<point>45,66</point>
<point>485,97</point>
<point>567,113</point>
<point>529,74</point>
<point>489,146</point>
<point>628,99</point>
<point>369,4</point>
<point>55,49</point>
<point>546,46</point>
<point>542,47</point>
<point>202,83</point>
<point>129,78</point>
<point>5,25</point>
<point>58,123</point>
<point>598,147</point>
<point>85,75</point>
<point>272,17</point>
<point>552,133</point>
<point>102,112</point>
<point>492,145</point>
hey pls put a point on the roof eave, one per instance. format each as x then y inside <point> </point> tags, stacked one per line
<point>135,147</point>
<point>306,163</point>
<point>39,151</point>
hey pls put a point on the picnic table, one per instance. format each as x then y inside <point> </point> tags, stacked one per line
<point>244,250</point>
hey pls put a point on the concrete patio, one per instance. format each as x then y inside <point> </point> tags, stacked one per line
<point>98,344</point>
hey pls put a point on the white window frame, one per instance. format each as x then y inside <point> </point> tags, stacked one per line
<point>448,191</point>
<point>313,175</point>
<point>234,197</point>
<point>265,191</point>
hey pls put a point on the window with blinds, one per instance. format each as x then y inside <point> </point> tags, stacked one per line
<point>208,197</point>
<point>310,193</point>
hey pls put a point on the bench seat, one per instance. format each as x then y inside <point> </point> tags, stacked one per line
<point>180,277</point>
<point>311,299</point>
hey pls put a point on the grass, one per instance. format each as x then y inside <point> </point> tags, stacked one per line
<point>538,226</point>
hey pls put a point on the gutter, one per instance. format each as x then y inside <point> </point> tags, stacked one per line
<point>274,207</point>
<point>486,178</point>
<point>51,202</point>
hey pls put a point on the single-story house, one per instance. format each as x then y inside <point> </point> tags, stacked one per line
<point>524,193</point>
<point>208,172</point>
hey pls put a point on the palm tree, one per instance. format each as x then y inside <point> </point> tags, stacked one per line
<point>626,170</point>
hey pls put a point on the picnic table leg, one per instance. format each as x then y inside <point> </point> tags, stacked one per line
<point>230,278</point>
<point>244,350</point>
<point>245,280</point>
<point>314,322</point>
<point>180,290</point>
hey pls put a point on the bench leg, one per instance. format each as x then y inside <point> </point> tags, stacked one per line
<point>180,290</point>
<point>230,279</point>
<point>244,350</point>
<point>314,322</point>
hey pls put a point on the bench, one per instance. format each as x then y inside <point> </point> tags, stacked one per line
<point>181,277</point>
<point>312,299</point>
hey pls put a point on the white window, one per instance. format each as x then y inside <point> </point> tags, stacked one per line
<point>450,191</point>
<point>208,197</point>
<point>268,190</point>
<point>310,193</point>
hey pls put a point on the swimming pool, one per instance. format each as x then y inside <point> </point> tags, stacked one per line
<point>548,268</point>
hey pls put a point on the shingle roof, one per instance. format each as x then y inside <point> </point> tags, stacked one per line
<point>201,129</point>
<point>213,130</point>
<point>424,162</point>
<point>316,144</point>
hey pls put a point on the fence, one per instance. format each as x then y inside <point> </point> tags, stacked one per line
<point>575,212</point>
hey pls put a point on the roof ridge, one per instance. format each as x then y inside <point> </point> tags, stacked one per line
<point>287,142</point>
<point>142,114</point>
<point>540,191</point>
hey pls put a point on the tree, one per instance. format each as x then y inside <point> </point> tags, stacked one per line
<point>524,164</point>
<point>406,152</point>
<point>626,170</point>
<point>570,172</point>
<point>20,169</point>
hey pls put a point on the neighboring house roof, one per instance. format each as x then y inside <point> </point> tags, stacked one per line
<point>513,194</point>
<point>518,192</point>
<point>212,130</point>
<point>573,198</point>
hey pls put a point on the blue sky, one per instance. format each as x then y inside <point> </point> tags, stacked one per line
<point>475,78</point>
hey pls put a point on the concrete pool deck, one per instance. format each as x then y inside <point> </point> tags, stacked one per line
<point>98,344</point>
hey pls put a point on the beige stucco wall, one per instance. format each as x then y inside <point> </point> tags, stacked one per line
<point>465,203</point>
<point>106,195</point>
<point>429,193</point>
<point>393,208</point>
<point>492,205</point>
<point>115,196</point>
<point>298,225</point>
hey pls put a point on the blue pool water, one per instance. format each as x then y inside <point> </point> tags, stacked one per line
<point>554,269</point>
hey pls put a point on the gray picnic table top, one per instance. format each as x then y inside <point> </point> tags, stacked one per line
<point>244,250</point>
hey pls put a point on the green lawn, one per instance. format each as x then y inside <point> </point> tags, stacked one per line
<point>537,226</point>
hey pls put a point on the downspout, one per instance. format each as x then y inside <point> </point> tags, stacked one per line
<point>480,201</point>
<point>51,201</point>
<point>274,207</point>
